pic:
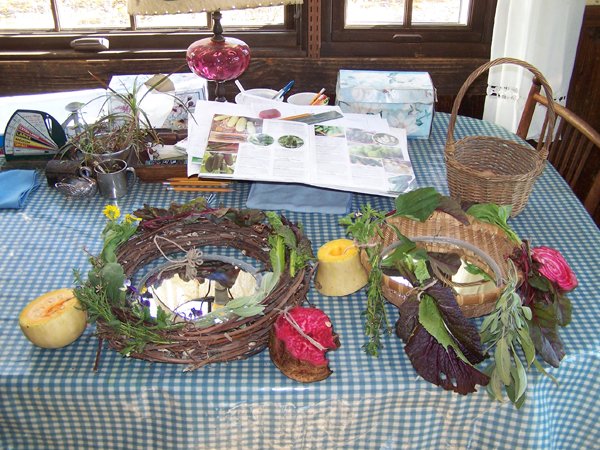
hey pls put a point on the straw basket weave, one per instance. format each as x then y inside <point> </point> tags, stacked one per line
<point>238,338</point>
<point>479,243</point>
<point>485,169</point>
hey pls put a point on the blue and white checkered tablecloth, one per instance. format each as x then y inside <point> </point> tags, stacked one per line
<point>52,399</point>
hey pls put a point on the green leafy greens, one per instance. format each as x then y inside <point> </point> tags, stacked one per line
<point>442,345</point>
<point>363,226</point>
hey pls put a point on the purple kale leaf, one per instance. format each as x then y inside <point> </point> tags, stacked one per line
<point>430,359</point>
<point>465,333</point>
<point>409,318</point>
<point>440,366</point>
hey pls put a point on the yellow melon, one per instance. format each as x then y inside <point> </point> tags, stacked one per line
<point>54,319</point>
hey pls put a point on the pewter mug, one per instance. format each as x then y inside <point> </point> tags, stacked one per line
<point>114,178</point>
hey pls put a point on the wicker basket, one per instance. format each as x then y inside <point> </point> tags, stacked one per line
<point>232,340</point>
<point>484,169</point>
<point>488,239</point>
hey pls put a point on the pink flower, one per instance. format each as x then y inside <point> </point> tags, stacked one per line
<point>554,267</point>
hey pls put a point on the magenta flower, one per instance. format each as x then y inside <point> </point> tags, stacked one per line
<point>554,267</point>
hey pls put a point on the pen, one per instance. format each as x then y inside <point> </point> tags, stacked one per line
<point>197,189</point>
<point>284,90</point>
<point>316,97</point>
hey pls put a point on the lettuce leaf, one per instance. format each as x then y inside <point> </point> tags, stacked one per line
<point>418,204</point>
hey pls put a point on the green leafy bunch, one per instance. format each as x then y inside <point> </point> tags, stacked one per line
<point>106,270</point>
<point>105,288</point>
<point>363,226</point>
<point>284,236</point>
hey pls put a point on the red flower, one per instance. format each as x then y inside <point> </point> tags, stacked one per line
<point>554,267</point>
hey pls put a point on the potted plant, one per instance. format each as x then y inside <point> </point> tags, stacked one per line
<point>125,132</point>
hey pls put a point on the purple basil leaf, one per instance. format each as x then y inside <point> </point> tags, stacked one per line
<point>452,207</point>
<point>440,366</point>
<point>547,343</point>
<point>390,271</point>
<point>465,333</point>
<point>447,263</point>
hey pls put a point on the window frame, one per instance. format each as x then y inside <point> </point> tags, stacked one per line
<point>471,40</point>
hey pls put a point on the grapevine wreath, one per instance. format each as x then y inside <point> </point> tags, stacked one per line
<point>237,330</point>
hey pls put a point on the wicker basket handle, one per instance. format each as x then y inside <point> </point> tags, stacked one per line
<point>550,113</point>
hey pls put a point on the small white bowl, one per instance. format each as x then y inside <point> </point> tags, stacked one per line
<point>254,96</point>
<point>301,98</point>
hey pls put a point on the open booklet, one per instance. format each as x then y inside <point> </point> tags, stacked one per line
<point>358,153</point>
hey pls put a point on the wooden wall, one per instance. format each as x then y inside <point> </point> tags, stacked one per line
<point>62,74</point>
<point>584,92</point>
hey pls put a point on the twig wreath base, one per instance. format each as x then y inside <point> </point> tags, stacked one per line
<point>237,338</point>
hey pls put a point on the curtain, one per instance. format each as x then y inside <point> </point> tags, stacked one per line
<point>544,33</point>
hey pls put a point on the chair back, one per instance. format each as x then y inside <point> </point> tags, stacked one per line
<point>574,150</point>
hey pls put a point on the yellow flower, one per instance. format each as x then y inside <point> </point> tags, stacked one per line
<point>112,212</point>
<point>129,218</point>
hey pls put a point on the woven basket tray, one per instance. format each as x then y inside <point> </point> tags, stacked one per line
<point>232,340</point>
<point>487,238</point>
<point>485,169</point>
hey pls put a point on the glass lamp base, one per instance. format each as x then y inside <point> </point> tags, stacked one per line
<point>218,59</point>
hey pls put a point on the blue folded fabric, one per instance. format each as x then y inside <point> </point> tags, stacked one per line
<point>297,197</point>
<point>15,187</point>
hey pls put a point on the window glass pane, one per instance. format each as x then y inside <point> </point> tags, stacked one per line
<point>25,15</point>
<point>446,12</point>
<point>93,14</point>
<point>195,20</point>
<point>272,15</point>
<point>374,12</point>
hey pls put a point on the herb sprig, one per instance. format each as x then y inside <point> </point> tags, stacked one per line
<point>363,226</point>
<point>504,331</point>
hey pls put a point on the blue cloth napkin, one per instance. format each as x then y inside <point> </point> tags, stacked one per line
<point>300,198</point>
<point>15,187</point>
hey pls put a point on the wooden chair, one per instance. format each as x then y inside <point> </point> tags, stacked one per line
<point>574,152</point>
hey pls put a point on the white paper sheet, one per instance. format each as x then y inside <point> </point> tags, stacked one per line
<point>358,153</point>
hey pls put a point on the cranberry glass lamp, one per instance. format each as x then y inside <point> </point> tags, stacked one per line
<point>216,58</point>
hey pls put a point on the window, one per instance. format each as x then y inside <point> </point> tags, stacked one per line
<point>430,28</point>
<point>408,27</point>
<point>112,14</point>
<point>372,13</point>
